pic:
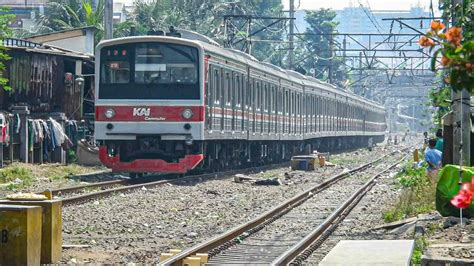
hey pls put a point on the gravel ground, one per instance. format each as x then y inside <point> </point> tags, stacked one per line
<point>137,227</point>
<point>455,241</point>
<point>366,215</point>
<point>270,242</point>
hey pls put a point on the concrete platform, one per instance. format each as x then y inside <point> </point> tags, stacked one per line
<point>370,252</point>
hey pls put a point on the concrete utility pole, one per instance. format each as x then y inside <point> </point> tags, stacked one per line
<point>462,116</point>
<point>108,19</point>
<point>290,38</point>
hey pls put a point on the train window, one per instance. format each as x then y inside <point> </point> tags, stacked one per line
<point>216,89</point>
<point>274,99</point>
<point>113,72</point>
<point>257,92</point>
<point>227,89</point>
<point>156,70</point>
<point>165,63</point>
<point>238,88</point>
<point>115,66</point>
<point>266,98</point>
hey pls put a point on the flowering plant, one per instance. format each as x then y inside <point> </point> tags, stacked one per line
<point>457,55</point>
<point>464,197</point>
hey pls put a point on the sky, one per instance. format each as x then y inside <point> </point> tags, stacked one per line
<point>374,4</point>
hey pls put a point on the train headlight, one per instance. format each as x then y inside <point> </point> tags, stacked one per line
<point>109,113</point>
<point>187,113</point>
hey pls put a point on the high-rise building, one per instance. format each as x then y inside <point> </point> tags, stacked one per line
<point>25,11</point>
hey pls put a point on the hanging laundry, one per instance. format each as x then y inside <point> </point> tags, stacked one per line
<point>31,134</point>
<point>72,131</point>
<point>40,130</point>
<point>59,136</point>
<point>47,140</point>
<point>17,123</point>
<point>4,126</point>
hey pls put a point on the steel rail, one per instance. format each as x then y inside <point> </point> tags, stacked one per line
<point>265,217</point>
<point>65,190</point>
<point>148,183</point>
<point>122,180</point>
<point>303,249</point>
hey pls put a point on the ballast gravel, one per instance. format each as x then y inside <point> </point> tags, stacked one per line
<point>137,227</point>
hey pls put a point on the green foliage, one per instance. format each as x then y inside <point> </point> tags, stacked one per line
<point>12,174</point>
<point>420,244</point>
<point>412,176</point>
<point>457,58</point>
<point>69,14</point>
<point>440,98</point>
<point>460,64</point>
<point>315,51</point>
<point>463,14</point>
<point>5,31</point>
<point>205,17</point>
<point>418,195</point>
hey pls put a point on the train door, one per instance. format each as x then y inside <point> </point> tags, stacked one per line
<point>263,107</point>
<point>271,109</point>
<point>238,106</point>
<point>208,100</point>
<point>286,113</point>
<point>291,119</point>
<point>298,111</point>
<point>255,105</point>
<point>258,110</point>
<point>216,113</point>
<point>276,106</point>
<point>338,116</point>
<point>228,95</point>
<point>233,101</point>
<point>248,103</point>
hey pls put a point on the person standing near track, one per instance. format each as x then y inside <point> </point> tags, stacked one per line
<point>439,140</point>
<point>433,158</point>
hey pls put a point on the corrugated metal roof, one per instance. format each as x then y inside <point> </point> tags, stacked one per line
<point>33,47</point>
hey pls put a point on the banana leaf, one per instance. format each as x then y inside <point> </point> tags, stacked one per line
<point>448,187</point>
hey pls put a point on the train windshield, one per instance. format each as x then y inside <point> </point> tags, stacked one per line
<point>149,71</point>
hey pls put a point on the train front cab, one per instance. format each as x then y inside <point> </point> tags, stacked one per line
<point>149,104</point>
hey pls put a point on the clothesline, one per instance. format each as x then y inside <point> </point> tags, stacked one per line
<point>47,132</point>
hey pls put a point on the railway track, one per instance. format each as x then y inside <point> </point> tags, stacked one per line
<point>284,233</point>
<point>117,179</point>
<point>122,185</point>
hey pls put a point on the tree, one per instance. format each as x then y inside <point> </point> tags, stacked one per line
<point>5,32</point>
<point>206,17</point>
<point>69,14</point>
<point>315,50</point>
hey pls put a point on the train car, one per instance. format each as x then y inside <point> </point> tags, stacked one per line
<point>172,105</point>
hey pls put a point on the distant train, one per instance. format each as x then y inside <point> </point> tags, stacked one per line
<point>171,105</point>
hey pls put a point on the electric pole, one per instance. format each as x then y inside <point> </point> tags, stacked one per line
<point>108,19</point>
<point>290,39</point>
<point>461,101</point>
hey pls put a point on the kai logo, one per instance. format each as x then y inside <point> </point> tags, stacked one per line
<point>141,111</point>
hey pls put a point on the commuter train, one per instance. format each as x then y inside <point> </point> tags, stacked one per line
<point>172,105</point>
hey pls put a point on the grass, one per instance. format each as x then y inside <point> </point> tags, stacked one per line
<point>13,174</point>
<point>268,174</point>
<point>420,244</point>
<point>418,195</point>
<point>30,173</point>
<point>60,172</point>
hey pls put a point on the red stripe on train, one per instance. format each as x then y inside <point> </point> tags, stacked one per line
<point>150,113</point>
<point>185,164</point>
